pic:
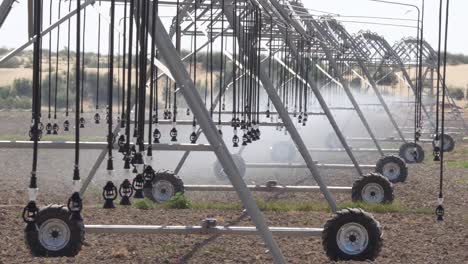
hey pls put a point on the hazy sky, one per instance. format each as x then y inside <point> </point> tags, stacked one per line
<point>14,31</point>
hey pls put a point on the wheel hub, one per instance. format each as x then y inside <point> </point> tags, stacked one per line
<point>163,190</point>
<point>391,171</point>
<point>411,154</point>
<point>54,234</point>
<point>352,238</point>
<point>372,193</point>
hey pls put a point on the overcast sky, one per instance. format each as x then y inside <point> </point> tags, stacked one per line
<point>14,31</point>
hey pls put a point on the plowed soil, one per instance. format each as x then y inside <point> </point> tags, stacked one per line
<point>411,232</point>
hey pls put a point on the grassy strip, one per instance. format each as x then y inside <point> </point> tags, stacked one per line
<point>458,164</point>
<point>301,206</point>
<point>181,202</point>
<point>144,204</point>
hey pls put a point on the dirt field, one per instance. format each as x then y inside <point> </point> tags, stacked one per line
<point>411,234</point>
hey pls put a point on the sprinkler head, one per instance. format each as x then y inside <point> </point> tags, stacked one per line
<point>48,128</point>
<point>55,128</point>
<point>440,213</point>
<point>125,191</point>
<point>193,138</point>
<point>82,122</point>
<point>156,135</point>
<point>235,141</point>
<point>173,134</point>
<point>66,126</point>
<point>138,184</point>
<point>109,193</point>
<point>126,163</point>
<point>97,118</point>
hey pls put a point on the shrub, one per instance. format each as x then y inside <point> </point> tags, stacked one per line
<point>14,62</point>
<point>178,201</point>
<point>91,61</point>
<point>22,86</point>
<point>457,93</point>
<point>4,50</point>
<point>4,92</point>
<point>15,103</point>
<point>144,204</point>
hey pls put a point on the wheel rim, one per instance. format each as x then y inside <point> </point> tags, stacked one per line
<point>352,238</point>
<point>372,193</point>
<point>54,234</point>
<point>391,170</point>
<point>447,143</point>
<point>411,154</point>
<point>163,190</point>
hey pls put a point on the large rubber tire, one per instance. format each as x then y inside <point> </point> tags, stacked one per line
<point>449,143</point>
<point>373,189</point>
<point>393,168</point>
<point>406,153</point>
<point>238,160</point>
<point>332,239</point>
<point>165,185</point>
<point>283,151</point>
<point>51,219</point>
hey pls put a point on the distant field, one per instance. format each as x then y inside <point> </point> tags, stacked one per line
<point>457,76</point>
<point>7,76</point>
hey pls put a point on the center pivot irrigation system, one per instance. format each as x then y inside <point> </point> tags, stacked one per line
<point>277,61</point>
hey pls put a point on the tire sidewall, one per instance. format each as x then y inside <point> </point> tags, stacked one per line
<point>331,231</point>
<point>403,150</point>
<point>76,233</point>
<point>360,184</point>
<point>176,182</point>
<point>393,159</point>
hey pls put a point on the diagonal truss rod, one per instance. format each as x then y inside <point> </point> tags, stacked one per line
<point>282,112</point>
<point>170,55</point>
<point>5,9</point>
<point>366,72</point>
<point>315,89</point>
<point>405,73</point>
<point>313,24</point>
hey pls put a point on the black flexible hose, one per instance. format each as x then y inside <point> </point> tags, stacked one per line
<point>110,86</point>
<point>76,173</point>
<point>129,80</point>
<point>57,62</point>
<point>68,61</point>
